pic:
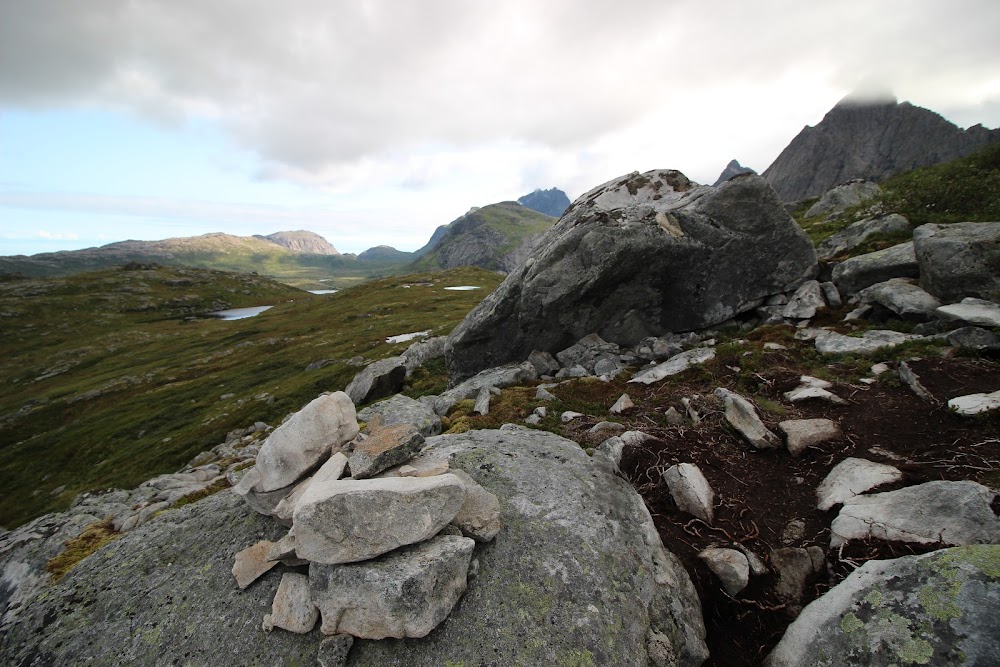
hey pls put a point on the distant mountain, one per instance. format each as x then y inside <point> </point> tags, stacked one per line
<point>734,168</point>
<point>552,202</point>
<point>496,237</point>
<point>435,238</point>
<point>872,141</point>
<point>302,241</point>
<point>385,253</point>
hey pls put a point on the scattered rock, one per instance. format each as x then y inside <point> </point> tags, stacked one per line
<point>352,520</point>
<point>382,378</point>
<point>479,517</point>
<point>859,232</point>
<point>543,394</point>
<point>543,362</point>
<point>794,531</point>
<point>569,416</point>
<point>303,441</point>
<point>730,566</point>
<point>808,298</point>
<point>690,491</point>
<point>853,275</point>
<point>401,409</point>
<point>422,351</point>
<point>973,404</point>
<point>482,405</point>
<point>910,379</point>
<point>386,447</point>
<point>607,426</point>
<point>974,311</point>
<point>844,196</point>
<point>959,260</point>
<point>953,513</point>
<point>794,567</point>
<point>974,338</point>
<point>293,608</point>
<point>800,434</point>
<point>831,295</point>
<point>870,342</point>
<point>676,364</point>
<point>251,563</point>
<point>587,352</point>
<point>333,651</point>
<point>673,417</point>
<point>501,377</point>
<point>912,610</point>
<point>905,300</point>
<point>623,404</point>
<point>742,416</point>
<point>852,477</point>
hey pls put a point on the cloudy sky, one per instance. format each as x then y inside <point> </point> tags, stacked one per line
<point>373,121</point>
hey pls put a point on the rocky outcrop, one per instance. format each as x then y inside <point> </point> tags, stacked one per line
<point>639,256</point>
<point>861,271</point>
<point>959,260</point>
<point>936,609</point>
<point>839,198</point>
<point>858,232</point>
<point>382,378</point>
<point>552,202</point>
<point>302,241</point>
<point>734,168</point>
<point>868,141</point>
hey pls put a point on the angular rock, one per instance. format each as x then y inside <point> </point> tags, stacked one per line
<point>808,298</point>
<point>401,409</point>
<point>284,509</point>
<point>293,609</point>
<point>973,404</point>
<point>676,364</point>
<point>805,393</point>
<point>543,394</point>
<point>304,441</point>
<point>543,362</point>
<point>382,378</point>
<point>569,416</point>
<point>386,447</point>
<point>586,352</point>
<point>800,434</point>
<point>904,299</point>
<point>794,566</point>
<point>501,377</point>
<point>690,491</point>
<point>853,275</point>
<point>479,517</point>
<point>831,295</point>
<point>852,477</point>
<point>975,338</point>
<point>421,465</point>
<point>607,367</point>
<point>673,417</point>
<point>333,651</point>
<point>974,311</point>
<point>844,196</point>
<point>577,371</point>
<point>742,416</point>
<point>730,566</point>
<point>859,232</point>
<point>351,520</point>
<point>938,608</point>
<point>911,380</point>
<point>831,342</point>
<point>959,260</point>
<point>403,594</point>
<point>622,261</point>
<point>613,427</point>
<point>422,351</point>
<point>953,513</point>
<point>251,563</point>
<point>482,406</point>
<point>623,404</point>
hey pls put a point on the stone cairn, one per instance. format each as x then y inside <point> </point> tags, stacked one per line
<point>388,546</point>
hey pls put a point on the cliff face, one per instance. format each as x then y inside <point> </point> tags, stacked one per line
<point>302,241</point>
<point>869,141</point>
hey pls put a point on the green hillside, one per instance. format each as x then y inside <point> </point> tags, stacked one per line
<point>106,380</point>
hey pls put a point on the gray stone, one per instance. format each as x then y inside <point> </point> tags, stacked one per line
<point>388,446</point>
<point>543,394</point>
<point>351,520</point>
<point>251,563</point>
<point>852,477</point>
<point>607,367</point>
<point>382,378</point>
<point>870,342</point>
<point>533,419</point>
<point>403,594</point>
<point>800,434</point>
<point>973,404</point>
<point>283,510</point>
<point>601,427</point>
<point>974,311</point>
<point>857,233</point>
<point>577,371</point>
<point>853,275</point>
<point>543,362</point>
<point>831,295</point>
<point>482,405</point>
<point>267,503</point>
<point>586,352</point>
<point>959,260</point>
<point>333,651</point>
<point>479,517</point>
<point>742,416</point>
<point>673,417</point>
<point>676,364</point>
<point>569,416</point>
<point>293,609</point>
<point>794,566</point>
<point>623,404</point>
<point>401,409</point>
<point>305,440</point>
<point>841,197</point>
<point>422,351</point>
<point>730,566</point>
<point>622,263</point>
<point>939,608</point>
<point>911,380</point>
<point>503,376</point>
<point>421,465</point>
<point>612,560</point>
<point>808,298</point>
<point>906,300</point>
<point>953,513</point>
<point>690,491</point>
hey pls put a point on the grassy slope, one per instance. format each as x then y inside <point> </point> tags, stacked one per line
<point>95,393</point>
<point>966,189</point>
<point>510,220</point>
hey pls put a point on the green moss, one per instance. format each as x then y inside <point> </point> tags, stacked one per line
<point>916,651</point>
<point>874,598</point>
<point>582,658</point>
<point>93,537</point>
<point>209,490</point>
<point>984,557</point>
<point>851,623</point>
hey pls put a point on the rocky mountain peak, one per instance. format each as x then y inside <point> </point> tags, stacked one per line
<point>302,241</point>
<point>734,168</point>
<point>552,202</point>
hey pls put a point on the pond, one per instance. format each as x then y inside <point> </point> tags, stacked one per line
<point>402,338</point>
<point>322,291</point>
<point>239,313</point>
<point>463,288</point>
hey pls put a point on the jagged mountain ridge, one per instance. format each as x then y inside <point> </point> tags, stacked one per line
<point>302,241</point>
<point>552,202</point>
<point>734,168</point>
<point>872,141</point>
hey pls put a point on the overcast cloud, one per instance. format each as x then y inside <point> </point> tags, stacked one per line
<point>344,93</point>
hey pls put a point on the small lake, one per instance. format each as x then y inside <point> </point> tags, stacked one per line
<point>463,288</point>
<point>402,338</point>
<point>239,313</point>
<point>322,291</point>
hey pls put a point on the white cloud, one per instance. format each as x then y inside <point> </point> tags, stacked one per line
<point>58,236</point>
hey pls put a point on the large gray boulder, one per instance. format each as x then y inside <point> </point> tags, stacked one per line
<point>503,376</point>
<point>857,233</point>
<point>382,378</point>
<point>639,256</point>
<point>578,573</point>
<point>844,196</point>
<point>401,409</point>
<point>959,260</point>
<point>902,299</point>
<point>941,608</point>
<point>855,274</point>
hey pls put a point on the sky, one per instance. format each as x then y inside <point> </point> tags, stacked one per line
<point>371,122</point>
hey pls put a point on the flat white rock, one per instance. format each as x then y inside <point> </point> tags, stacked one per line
<point>852,477</point>
<point>973,404</point>
<point>675,364</point>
